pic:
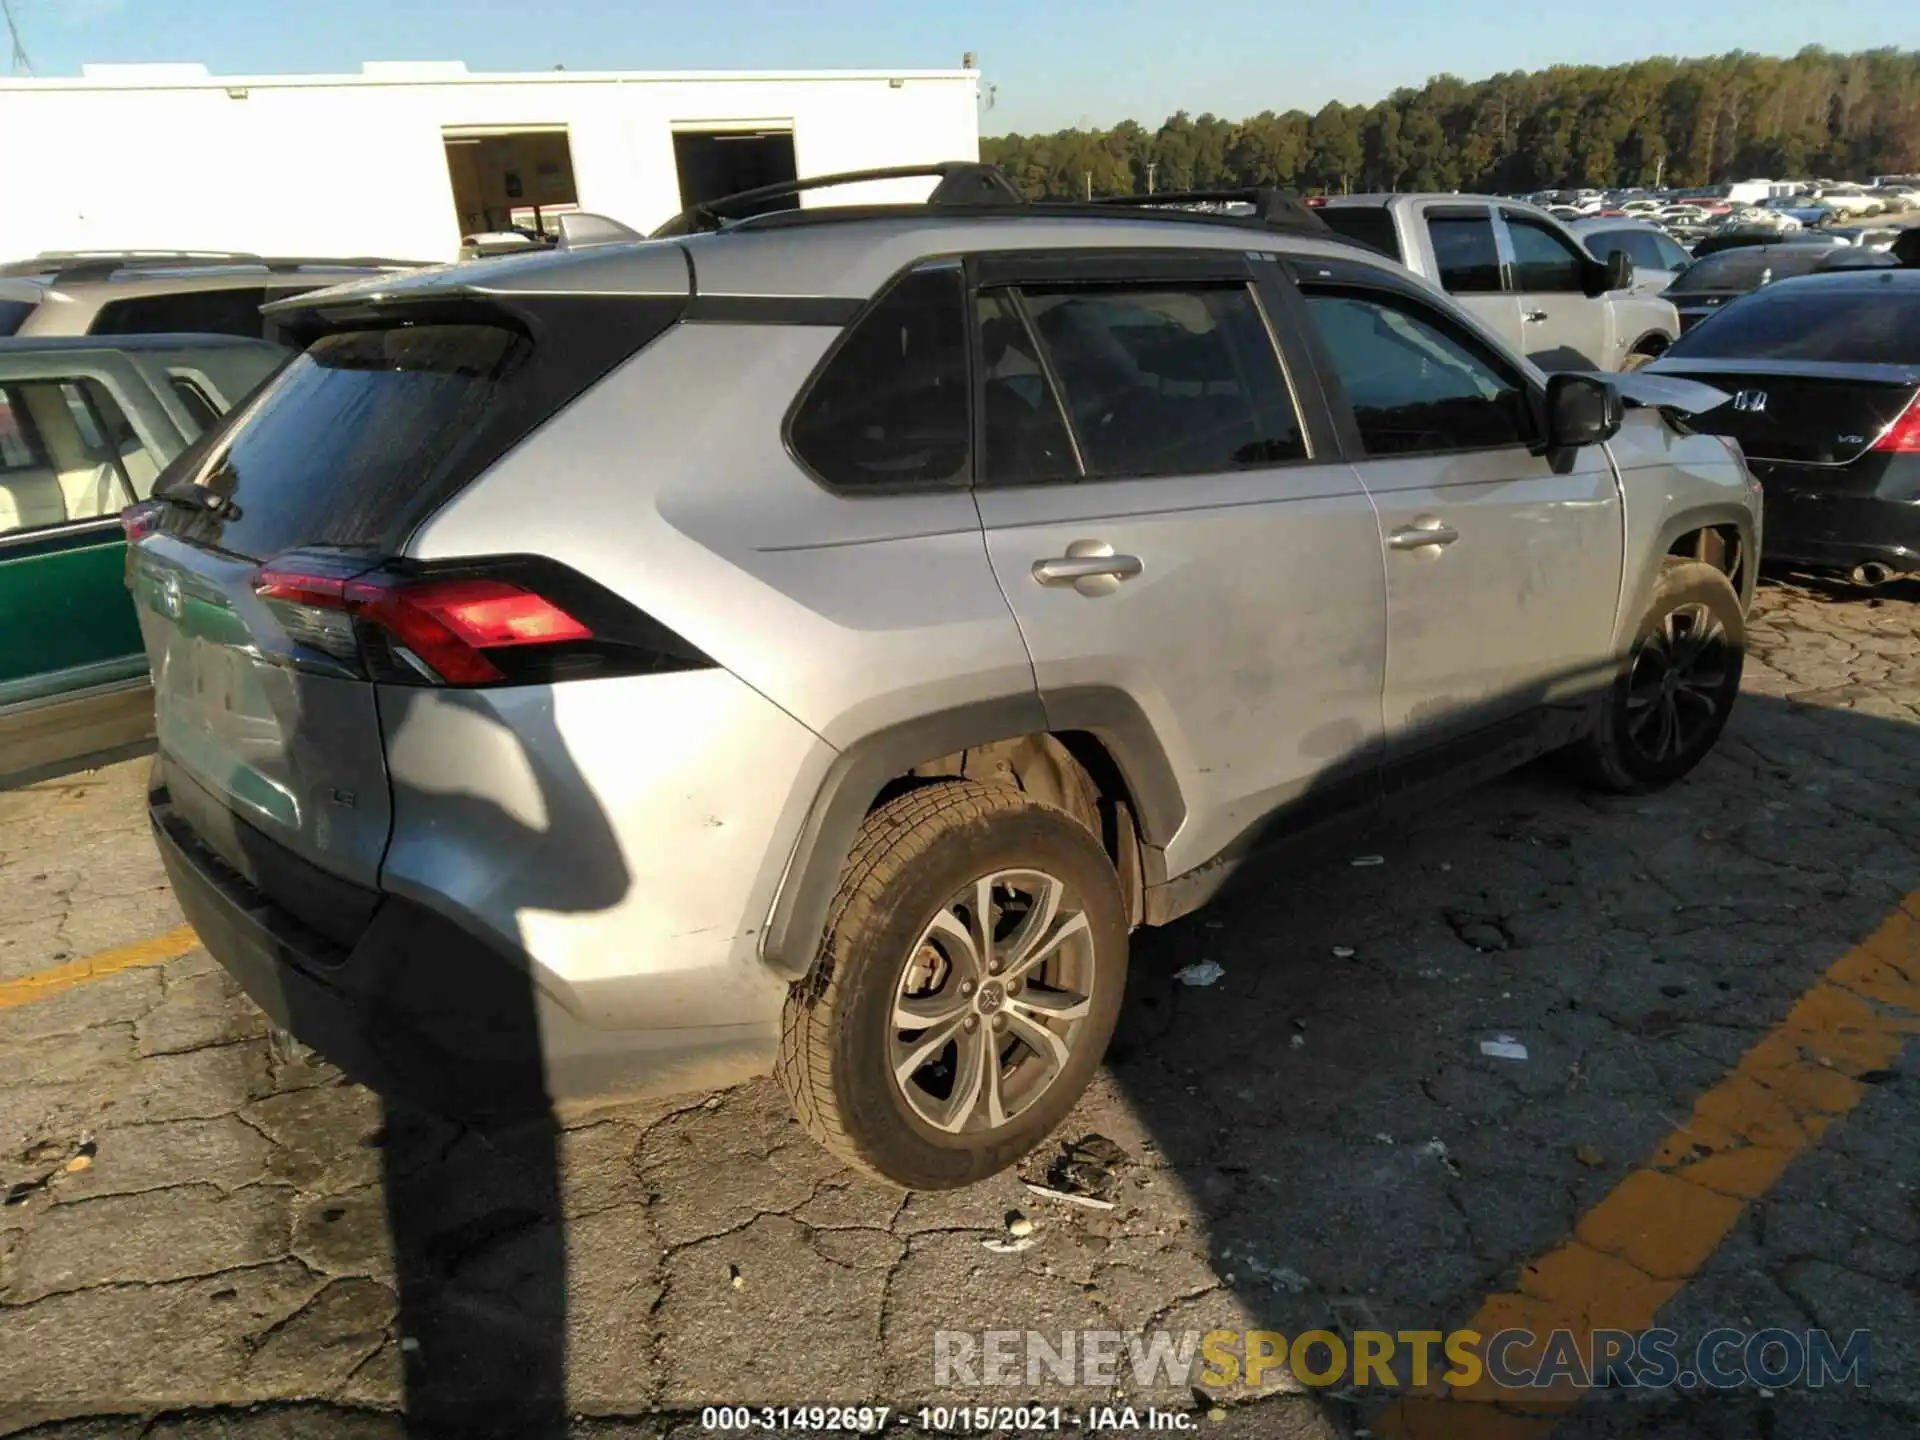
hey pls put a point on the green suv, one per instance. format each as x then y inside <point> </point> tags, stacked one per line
<point>85,426</point>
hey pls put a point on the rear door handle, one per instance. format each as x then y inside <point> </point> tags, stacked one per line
<point>1533,317</point>
<point>1090,566</point>
<point>1416,537</point>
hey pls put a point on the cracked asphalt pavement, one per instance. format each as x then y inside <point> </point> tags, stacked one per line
<point>207,1233</point>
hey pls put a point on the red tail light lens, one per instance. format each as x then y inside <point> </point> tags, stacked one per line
<point>141,520</point>
<point>445,626</point>
<point>1903,436</point>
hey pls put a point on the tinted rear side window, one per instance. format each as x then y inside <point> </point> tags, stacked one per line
<point>1163,381</point>
<point>1464,249</point>
<point>1369,224</point>
<point>196,312</point>
<point>890,410</point>
<point>1812,322</point>
<point>13,314</point>
<point>341,442</point>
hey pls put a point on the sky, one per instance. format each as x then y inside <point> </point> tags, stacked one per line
<point>1052,63</point>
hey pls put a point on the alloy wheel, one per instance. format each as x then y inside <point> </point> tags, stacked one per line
<point>991,1000</point>
<point>1676,688</point>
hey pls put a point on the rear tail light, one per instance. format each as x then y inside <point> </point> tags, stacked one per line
<point>467,628</point>
<point>1903,436</point>
<point>141,520</point>
<point>1317,201</point>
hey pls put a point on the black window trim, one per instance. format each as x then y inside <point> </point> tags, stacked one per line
<point>1353,281</point>
<point>1011,270</point>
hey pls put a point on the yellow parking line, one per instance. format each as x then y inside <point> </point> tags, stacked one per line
<point>1634,1251</point>
<point>42,983</point>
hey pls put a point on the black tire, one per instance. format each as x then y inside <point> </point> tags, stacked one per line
<point>1693,628</point>
<point>912,857</point>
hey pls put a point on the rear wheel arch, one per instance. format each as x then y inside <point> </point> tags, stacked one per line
<point>1099,759</point>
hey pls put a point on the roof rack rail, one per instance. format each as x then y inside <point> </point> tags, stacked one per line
<point>985,190</point>
<point>962,182</point>
<point>66,266</point>
<point>1276,208</point>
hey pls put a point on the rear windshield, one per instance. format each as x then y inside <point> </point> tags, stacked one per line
<point>1868,326</point>
<point>1369,224</point>
<point>1748,269</point>
<point>13,314</point>
<point>336,447</point>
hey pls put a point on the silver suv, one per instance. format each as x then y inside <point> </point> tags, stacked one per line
<point>814,641</point>
<point>159,292</point>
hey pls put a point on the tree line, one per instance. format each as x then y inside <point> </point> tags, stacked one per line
<point>1662,120</point>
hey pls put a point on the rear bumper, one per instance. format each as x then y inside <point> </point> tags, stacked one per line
<point>1841,531</point>
<point>421,1010</point>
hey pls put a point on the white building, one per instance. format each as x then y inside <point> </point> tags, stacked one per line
<point>404,158</point>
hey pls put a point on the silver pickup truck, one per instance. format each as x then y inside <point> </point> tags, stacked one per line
<point>1517,270</point>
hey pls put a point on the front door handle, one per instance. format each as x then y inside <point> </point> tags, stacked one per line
<point>1533,317</point>
<point>1416,537</point>
<point>1090,566</point>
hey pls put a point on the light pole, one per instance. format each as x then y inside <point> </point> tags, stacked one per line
<point>1152,165</point>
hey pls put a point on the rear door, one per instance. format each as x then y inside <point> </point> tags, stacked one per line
<point>1169,519</point>
<point>1503,567</point>
<point>77,445</point>
<point>1561,326</point>
<point>1467,264</point>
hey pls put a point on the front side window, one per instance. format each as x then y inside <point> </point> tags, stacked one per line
<point>67,454</point>
<point>1543,260</point>
<point>1167,380</point>
<point>1416,386</point>
<point>1464,249</point>
<point>889,410</point>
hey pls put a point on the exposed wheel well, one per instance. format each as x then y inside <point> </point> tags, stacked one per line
<point>1070,769</point>
<point>1654,342</point>
<point>1719,546</point>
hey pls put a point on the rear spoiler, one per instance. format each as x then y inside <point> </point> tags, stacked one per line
<point>1663,392</point>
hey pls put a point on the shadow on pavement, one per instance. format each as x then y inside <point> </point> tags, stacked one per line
<point>1360,1163</point>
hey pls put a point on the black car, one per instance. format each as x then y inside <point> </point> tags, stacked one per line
<point>1718,279</point>
<point>1824,371</point>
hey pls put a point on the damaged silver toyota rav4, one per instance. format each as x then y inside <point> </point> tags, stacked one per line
<point>813,641</point>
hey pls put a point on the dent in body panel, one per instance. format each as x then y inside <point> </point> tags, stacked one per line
<point>625,834</point>
<point>1515,612</point>
<point>1674,483</point>
<point>1252,639</point>
<point>850,613</point>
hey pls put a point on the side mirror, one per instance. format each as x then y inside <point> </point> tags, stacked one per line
<point>1581,410</point>
<point>1619,271</point>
